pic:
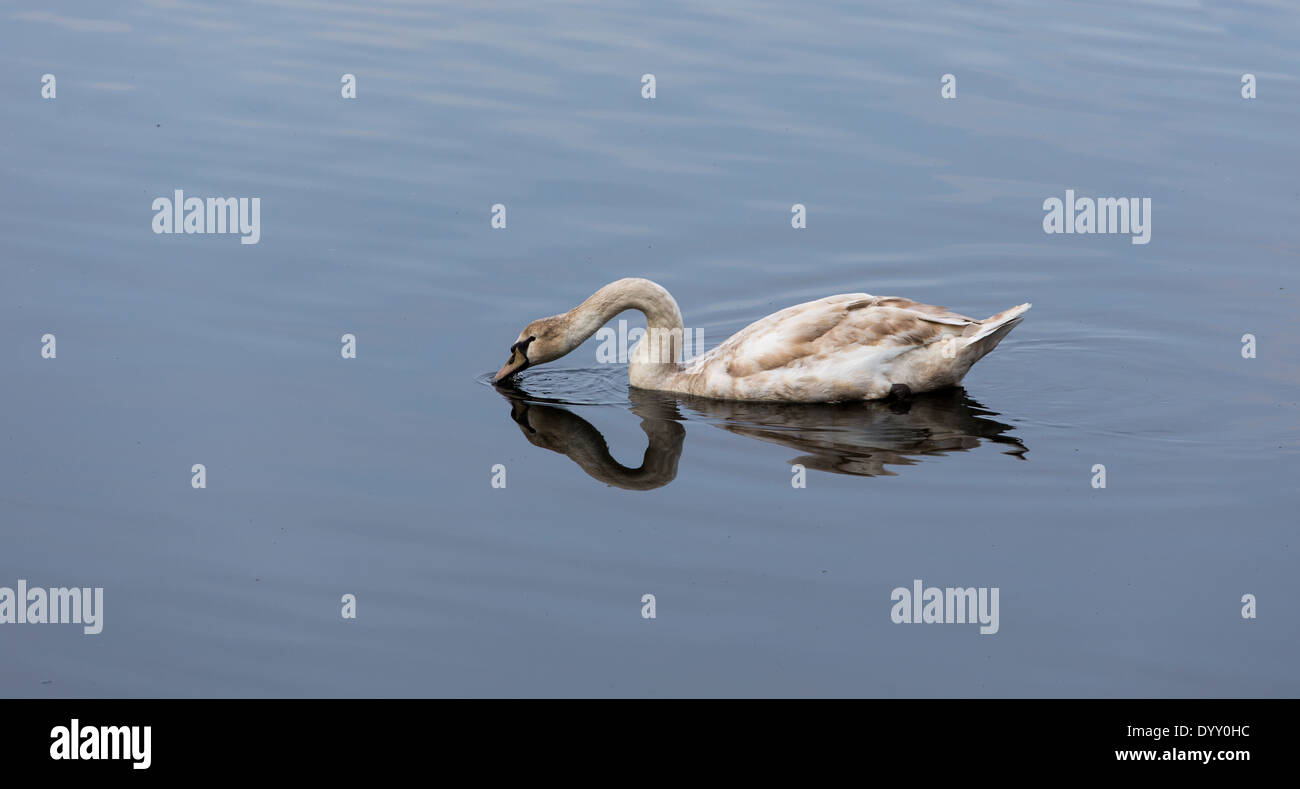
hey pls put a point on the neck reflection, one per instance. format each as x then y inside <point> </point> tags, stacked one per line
<point>560,430</point>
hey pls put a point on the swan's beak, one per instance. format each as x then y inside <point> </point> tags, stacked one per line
<point>517,362</point>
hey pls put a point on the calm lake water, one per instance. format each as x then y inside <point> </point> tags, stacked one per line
<point>372,476</point>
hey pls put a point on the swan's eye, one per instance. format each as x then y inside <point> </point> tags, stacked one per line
<point>522,346</point>
<point>520,350</point>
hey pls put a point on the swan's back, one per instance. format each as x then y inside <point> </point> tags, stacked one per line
<point>853,346</point>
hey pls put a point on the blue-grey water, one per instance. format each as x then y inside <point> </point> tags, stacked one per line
<point>373,476</point>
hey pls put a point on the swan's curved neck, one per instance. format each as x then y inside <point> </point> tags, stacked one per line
<point>662,344</point>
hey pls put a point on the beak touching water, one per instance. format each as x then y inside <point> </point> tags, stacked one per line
<point>518,361</point>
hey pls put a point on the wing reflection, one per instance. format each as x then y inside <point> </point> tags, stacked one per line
<point>863,438</point>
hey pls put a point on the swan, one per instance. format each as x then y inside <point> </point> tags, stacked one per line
<point>843,348</point>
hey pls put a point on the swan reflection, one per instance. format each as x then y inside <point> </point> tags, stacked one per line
<point>860,439</point>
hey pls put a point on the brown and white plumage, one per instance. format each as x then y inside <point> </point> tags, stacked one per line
<point>853,346</point>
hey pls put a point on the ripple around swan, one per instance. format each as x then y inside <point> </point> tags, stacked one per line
<point>573,386</point>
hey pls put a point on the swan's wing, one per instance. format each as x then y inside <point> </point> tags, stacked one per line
<point>856,327</point>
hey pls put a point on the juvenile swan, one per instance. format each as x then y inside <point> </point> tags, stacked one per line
<point>854,346</point>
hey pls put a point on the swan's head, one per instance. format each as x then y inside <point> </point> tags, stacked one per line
<point>542,341</point>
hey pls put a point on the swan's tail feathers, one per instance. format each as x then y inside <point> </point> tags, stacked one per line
<point>990,331</point>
